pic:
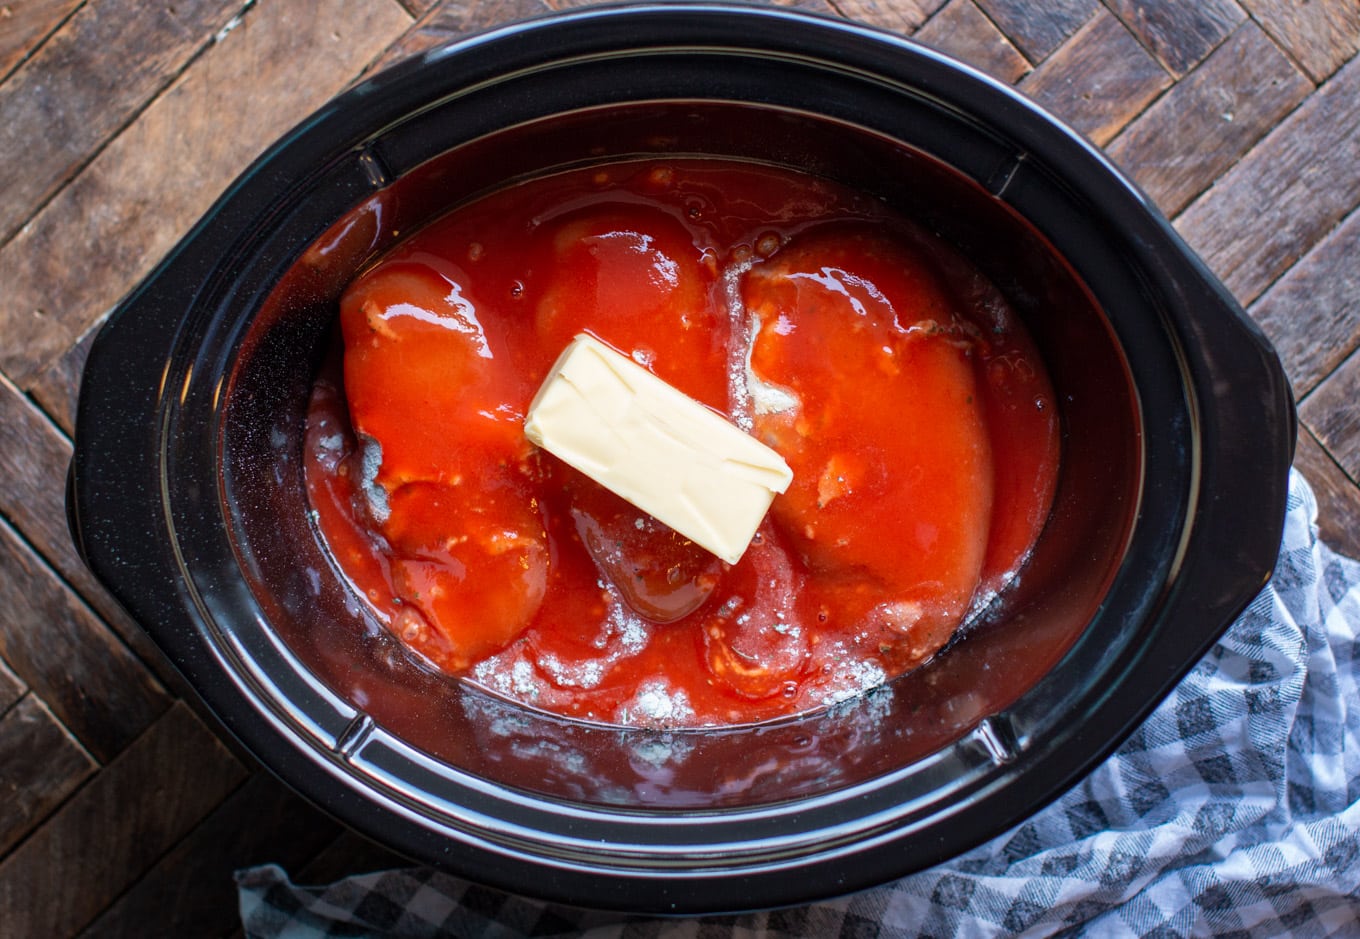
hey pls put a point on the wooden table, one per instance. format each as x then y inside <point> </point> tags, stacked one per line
<point>122,808</point>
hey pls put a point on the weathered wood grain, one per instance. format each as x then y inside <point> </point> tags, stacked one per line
<point>115,827</point>
<point>1099,80</point>
<point>190,892</point>
<point>62,651</point>
<point>465,16</point>
<point>1312,314</point>
<point>1337,496</point>
<point>33,458</point>
<point>903,17</point>
<point>24,24</point>
<point>11,687</point>
<point>1179,34</point>
<point>40,765</point>
<point>129,206</point>
<point>1285,194</point>
<point>449,21</point>
<point>1037,29</point>
<point>1331,414</point>
<point>963,31</point>
<point>57,387</point>
<point>418,7</point>
<point>1194,132</point>
<point>65,102</point>
<point>1321,34</point>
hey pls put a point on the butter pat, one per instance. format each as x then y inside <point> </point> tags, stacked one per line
<point>658,448</point>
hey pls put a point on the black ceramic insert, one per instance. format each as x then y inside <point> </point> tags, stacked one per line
<point>186,495</point>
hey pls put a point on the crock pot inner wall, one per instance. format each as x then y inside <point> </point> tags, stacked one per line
<point>326,632</point>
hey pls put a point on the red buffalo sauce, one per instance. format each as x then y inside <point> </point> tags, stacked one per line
<point>890,375</point>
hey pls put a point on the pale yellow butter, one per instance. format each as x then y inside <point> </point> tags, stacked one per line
<point>658,448</point>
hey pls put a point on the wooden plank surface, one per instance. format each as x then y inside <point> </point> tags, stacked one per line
<point>1312,313</point>
<point>148,186</point>
<point>903,17</point>
<point>1330,413</point>
<point>12,687</point>
<point>1179,34</point>
<point>1100,80</point>
<point>1037,29</point>
<point>106,834</point>
<point>1284,195</point>
<point>57,387</point>
<point>963,31</point>
<point>58,111</point>
<point>190,892</point>
<point>1184,141</point>
<point>449,21</point>
<point>26,23</point>
<point>1320,34</point>
<point>69,657</point>
<point>40,765</point>
<point>122,812</point>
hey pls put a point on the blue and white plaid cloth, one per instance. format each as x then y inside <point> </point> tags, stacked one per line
<point>1234,811</point>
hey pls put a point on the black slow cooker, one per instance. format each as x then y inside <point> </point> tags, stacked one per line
<point>187,501</point>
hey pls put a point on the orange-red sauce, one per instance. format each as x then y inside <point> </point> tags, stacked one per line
<point>892,377</point>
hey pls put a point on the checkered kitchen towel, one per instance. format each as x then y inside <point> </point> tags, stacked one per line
<point>1233,811</point>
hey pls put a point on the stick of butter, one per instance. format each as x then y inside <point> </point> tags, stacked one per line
<point>658,448</point>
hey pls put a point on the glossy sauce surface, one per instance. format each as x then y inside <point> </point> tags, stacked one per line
<point>891,376</point>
